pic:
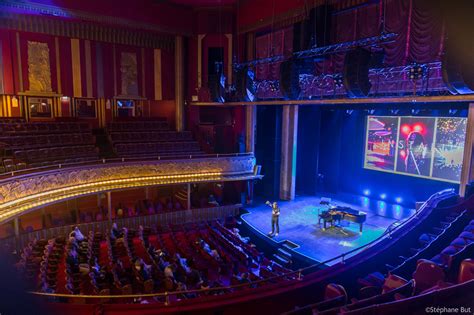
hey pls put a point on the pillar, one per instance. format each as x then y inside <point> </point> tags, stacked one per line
<point>179,82</point>
<point>250,124</point>
<point>109,205</point>
<point>43,218</point>
<point>467,172</point>
<point>289,138</point>
<point>189,196</point>
<point>16,227</point>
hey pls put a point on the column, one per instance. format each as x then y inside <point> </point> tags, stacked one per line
<point>179,82</point>
<point>250,124</point>
<point>289,138</point>
<point>467,173</point>
<point>109,205</point>
<point>189,196</point>
<point>250,110</point>
<point>16,227</point>
<point>43,218</point>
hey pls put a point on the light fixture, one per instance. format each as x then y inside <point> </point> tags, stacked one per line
<point>383,196</point>
<point>398,199</point>
<point>366,192</point>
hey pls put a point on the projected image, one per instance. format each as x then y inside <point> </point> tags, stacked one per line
<point>449,148</point>
<point>430,147</point>
<point>415,140</point>
<point>381,143</point>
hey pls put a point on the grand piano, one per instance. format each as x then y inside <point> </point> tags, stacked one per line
<point>338,213</point>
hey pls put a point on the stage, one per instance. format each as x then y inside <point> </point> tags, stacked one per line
<point>299,224</point>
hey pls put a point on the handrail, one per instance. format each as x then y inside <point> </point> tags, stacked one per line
<point>430,203</point>
<point>32,170</point>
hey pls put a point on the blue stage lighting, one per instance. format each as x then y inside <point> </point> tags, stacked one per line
<point>367,192</point>
<point>383,196</point>
<point>398,199</point>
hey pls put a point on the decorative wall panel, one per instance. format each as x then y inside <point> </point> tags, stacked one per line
<point>128,74</point>
<point>39,69</point>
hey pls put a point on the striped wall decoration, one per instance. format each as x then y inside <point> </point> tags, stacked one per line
<point>76,67</point>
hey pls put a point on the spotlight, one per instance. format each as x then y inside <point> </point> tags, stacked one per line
<point>349,111</point>
<point>453,111</point>
<point>398,199</point>
<point>338,82</point>
<point>415,111</point>
<point>394,111</point>
<point>416,71</point>
<point>366,192</point>
<point>383,196</point>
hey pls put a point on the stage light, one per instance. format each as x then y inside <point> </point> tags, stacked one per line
<point>453,111</point>
<point>403,154</point>
<point>415,111</point>
<point>383,196</point>
<point>367,192</point>
<point>398,199</point>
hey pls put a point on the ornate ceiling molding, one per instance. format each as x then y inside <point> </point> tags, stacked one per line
<point>24,193</point>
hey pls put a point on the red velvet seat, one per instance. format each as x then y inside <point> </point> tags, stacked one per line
<point>427,275</point>
<point>466,270</point>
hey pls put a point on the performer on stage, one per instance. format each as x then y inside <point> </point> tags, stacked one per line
<point>275,217</point>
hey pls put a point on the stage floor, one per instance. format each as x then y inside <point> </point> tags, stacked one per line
<point>299,224</point>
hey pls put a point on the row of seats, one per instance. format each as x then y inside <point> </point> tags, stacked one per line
<point>157,148</point>
<point>154,136</point>
<point>9,165</point>
<point>156,259</point>
<point>42,128</point>
<point>57,155</point>
<point>11,120</point>
<point>44,141</point>
<point>142,125</point>
<point>453,265</point>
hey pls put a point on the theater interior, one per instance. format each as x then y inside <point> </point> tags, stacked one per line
<point>148,147</point>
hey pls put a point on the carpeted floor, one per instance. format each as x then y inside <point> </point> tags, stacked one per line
<point>299,224</point>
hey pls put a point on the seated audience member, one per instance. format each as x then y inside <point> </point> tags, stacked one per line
<point>158,207</point>
<point>130,212</point>
<point>169,204</point>
<point>78,234</point>
<point>115,233</point>
<point>119,211</point>
<point>212,200</point>
<point>73,240</point>
<point>169,271</point>
<point>142,269</point>
<point>72,260</point>
<point>98,216</point>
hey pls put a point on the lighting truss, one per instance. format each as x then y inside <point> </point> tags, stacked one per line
<point>374,41</point>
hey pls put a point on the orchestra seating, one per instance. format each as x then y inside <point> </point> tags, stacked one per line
<point>34,144</point>
<point>150,138</point>
<point>148,260</point>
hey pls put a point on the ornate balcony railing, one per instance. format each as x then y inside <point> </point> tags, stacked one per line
<point>23,193</point>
